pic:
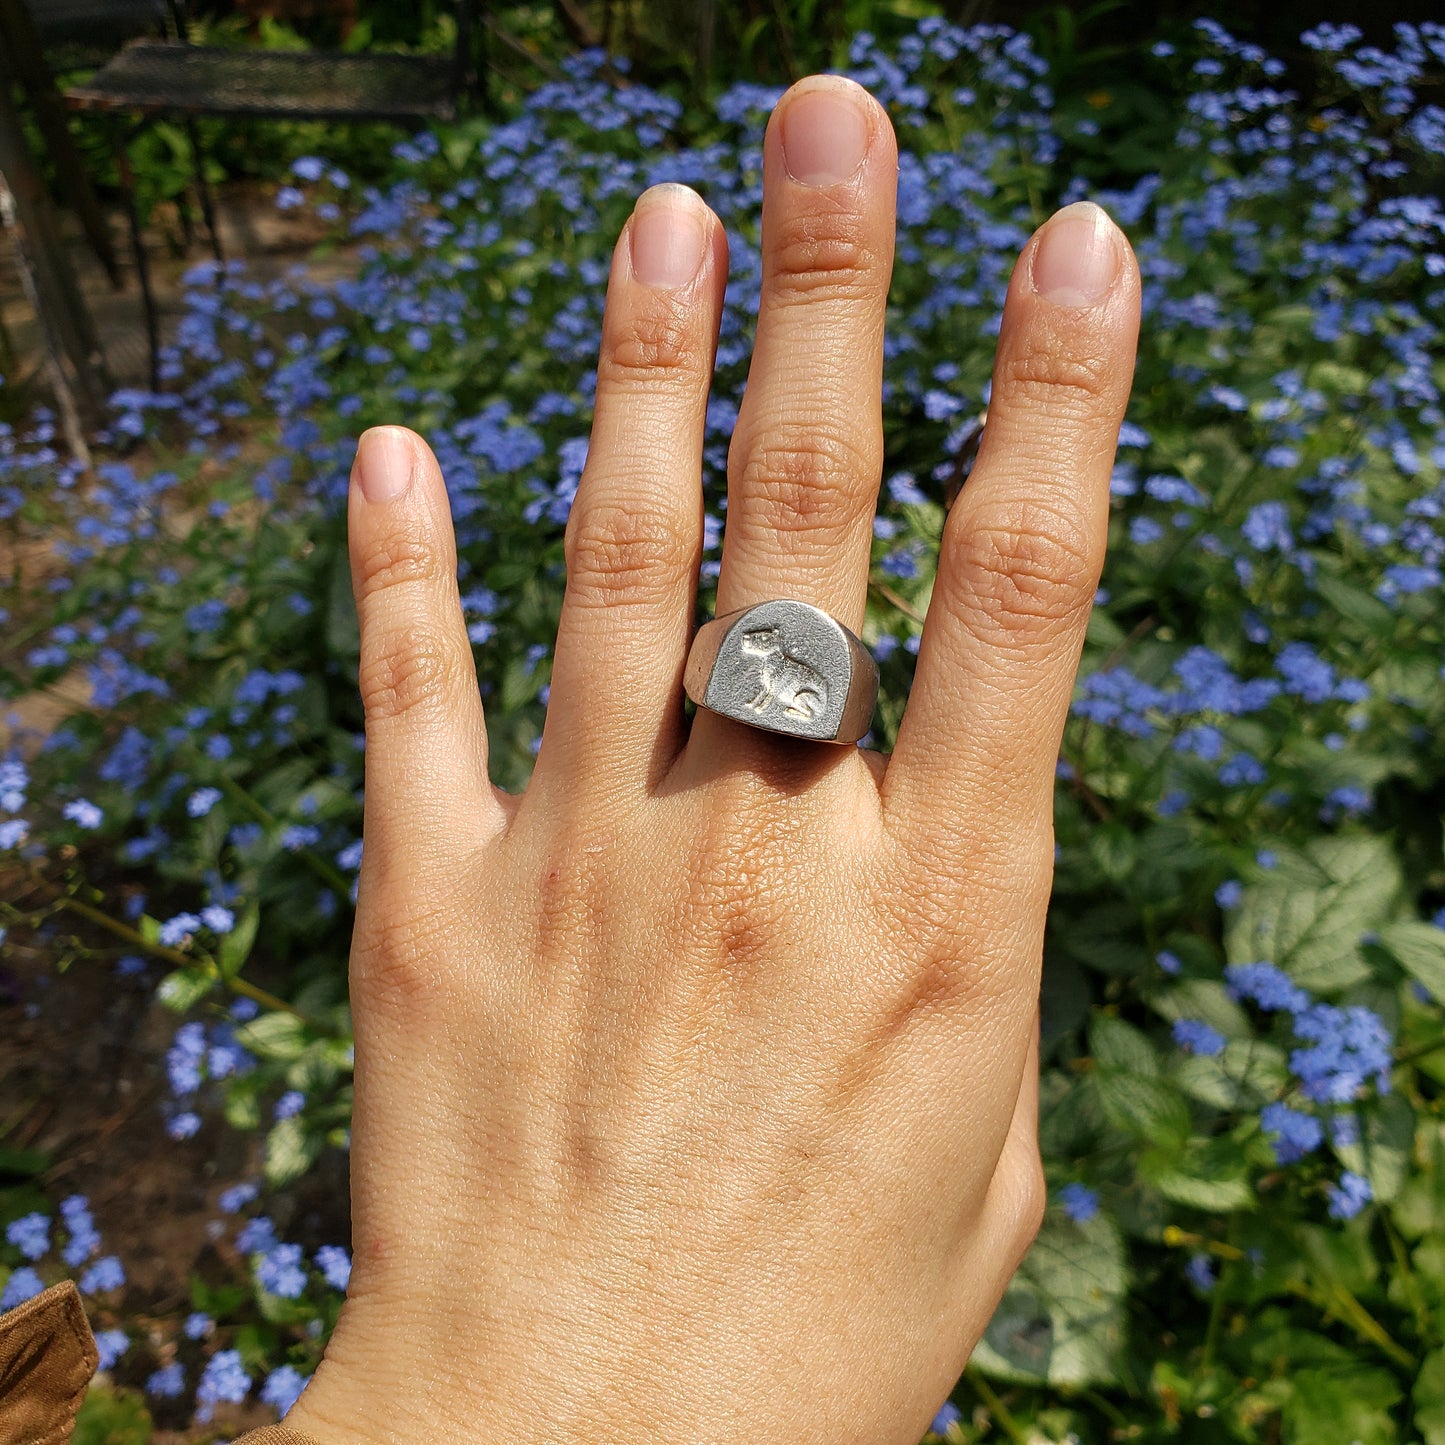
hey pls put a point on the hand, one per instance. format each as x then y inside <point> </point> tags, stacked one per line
<point>696,1089</point>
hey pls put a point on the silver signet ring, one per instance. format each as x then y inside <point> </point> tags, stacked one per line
<point>786,667</point>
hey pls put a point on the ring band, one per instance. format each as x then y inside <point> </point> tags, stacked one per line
<point>786,667</point>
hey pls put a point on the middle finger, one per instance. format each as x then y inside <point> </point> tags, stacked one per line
<point>806,455</point>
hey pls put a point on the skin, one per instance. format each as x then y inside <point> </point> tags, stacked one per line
<point>696,1089</point>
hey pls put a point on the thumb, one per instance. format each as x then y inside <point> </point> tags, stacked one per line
<point>427,793</point>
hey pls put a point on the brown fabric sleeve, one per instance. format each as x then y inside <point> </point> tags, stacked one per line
<point>274,1435</point>
<point>47,1356</point>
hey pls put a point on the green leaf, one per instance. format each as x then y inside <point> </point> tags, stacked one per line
<point>18,1164</point>
<point>1061,1321</point>
<point>1245,1074</point>
<point>1383,1153</point>
<point>1132,1095</point>
<point>243,1102</point>
<point>1355,604</point>
<point>1206,999</point>
<point>1342,1407</point>
<point>1117,1045</point>
<point>1114,850</point>
<point>1309,914</point>
<point>109,1416</point>
<point>1419,948</point>
<point>291,1149</point>
<point>1428,1398</point>
<point>1211,1174</point>
<point>185,988</point>
<point>236,946</point>
<point>274,1035</point>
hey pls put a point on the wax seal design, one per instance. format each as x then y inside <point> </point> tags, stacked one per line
<point>786,667</point>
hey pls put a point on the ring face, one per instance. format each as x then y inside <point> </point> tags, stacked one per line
<point>786,667</point>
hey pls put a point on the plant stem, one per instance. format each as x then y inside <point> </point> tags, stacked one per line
<point>1336,1300</point>
<point>901,603</point>
<point>327,872</point>
<point>1410,1284</point>
<point>175,957</point>
<point>1420,1051</point>
<point>996,1407</point>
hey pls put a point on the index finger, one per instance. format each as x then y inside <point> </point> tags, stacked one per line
<point>972,775</point>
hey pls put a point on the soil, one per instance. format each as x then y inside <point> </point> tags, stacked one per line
<point>82,1082</point>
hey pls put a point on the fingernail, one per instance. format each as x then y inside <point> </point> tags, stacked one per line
<point>384,462</point>
<point>668,234</point>
<point>1077,259</point>
<point>825,134</point>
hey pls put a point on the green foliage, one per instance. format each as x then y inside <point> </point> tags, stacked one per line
<point>1243,1035</point>
<point>112,1416</point>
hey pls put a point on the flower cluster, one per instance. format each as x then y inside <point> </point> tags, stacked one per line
<point>1251,768</point>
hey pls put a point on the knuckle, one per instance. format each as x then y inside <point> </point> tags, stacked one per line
<point>399,963</point>
<point>413,671</point>
<point>1049,376</point>
<point>395,559</point>
<point>659,339</point>
<point>632,551</point>
<point>1026,570</point>
<point>824,254</point>
<point>1028,1200</point>
<point>810,481</point>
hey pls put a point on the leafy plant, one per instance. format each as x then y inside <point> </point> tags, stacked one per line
<point>1244,1041</point>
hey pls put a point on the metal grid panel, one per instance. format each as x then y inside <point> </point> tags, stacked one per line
<point>155,78</point>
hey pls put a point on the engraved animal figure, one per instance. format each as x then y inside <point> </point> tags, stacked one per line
<point>782,679</point>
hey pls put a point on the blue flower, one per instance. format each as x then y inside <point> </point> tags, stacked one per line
<point>280,1271</point>
<point>1266,985</point>
<point>1241,771</point>
<point>1200,1271</point>
<point>167,1383</point>
<point>283,1388</point>
<point>1079,1202</point>
<point>335,1265</point>
<point>946,1418</point>
<point>175,931</point>
<point>198,1326</point>
<point>1195,1036</point>
<point>202,801</point>
<point>256,1236</point>
<point>1267,527</point>
<point>30,1234</point>
<point>105,1274</point>
<point>237,1197</point>
<point>1349,1047</point>
<point>184,1125</point>
<point>186,1057</point>
<point>110,1345</point>
<point>84,814</point>
<point>218,919</point>
<point>22,1285</point>
<point>1167,961</point>
<point>1295,1134</point>
<point>224,1380</point>
<point>84,1239</point>
<point>289,1104</point>
<point>1349,1196</point>
<point>1228,894</point>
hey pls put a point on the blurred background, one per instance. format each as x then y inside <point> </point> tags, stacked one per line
<point>235,235</point>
